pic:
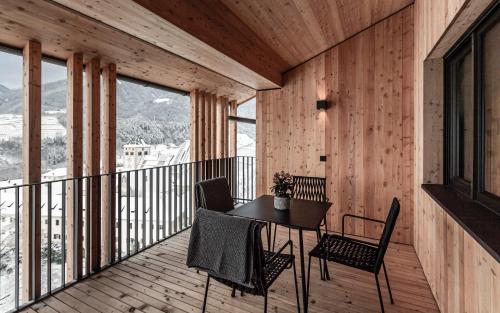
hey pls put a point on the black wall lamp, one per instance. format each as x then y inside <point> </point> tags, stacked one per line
<point>321,104</point>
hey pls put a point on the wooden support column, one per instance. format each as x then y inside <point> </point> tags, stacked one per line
<point>74,163</point>
<point>201,128</point>
<point>233,107</point>
<point>206,125</point>
<point>194,125</point>
<point>92,161</point>
<point>220,128</point>
<point>225,127</point>
<point>32,116</point>
<point>109,165</point>
<point>213,127</point>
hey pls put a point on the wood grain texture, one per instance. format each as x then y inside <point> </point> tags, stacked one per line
<point>299,30</point>
<point>74,167</point>
<point>208,126</point>
<point>63,32</point>
<point>157,280</point>
<point>233,107</point>
<point>108,141</point>
<point>462,275</point>
<point>366,134</point>
<point>181,27</point>
<point>31,209</point>
<point>93,157</point>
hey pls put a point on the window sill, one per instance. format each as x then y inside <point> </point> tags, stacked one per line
<point>478,221</point>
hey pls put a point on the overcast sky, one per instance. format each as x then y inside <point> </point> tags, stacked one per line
<point>11,71</point>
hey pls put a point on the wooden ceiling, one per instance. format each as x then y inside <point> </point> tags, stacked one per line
<point>227,47</point>
<point>63,32</point>
<point>249,41</point>
<point>301,29</point>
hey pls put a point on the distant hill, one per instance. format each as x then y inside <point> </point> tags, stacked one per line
<point>132,99</point>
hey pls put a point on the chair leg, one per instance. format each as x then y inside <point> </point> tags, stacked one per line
<point>274,237</point>
<point>296,287</point>
<point>318,238</point>
<point>388,285</point>
<point>308,278</point>
<point>379,294</point>
<point>233,293</point>
<point>206,293</point>
<point>265,302</point>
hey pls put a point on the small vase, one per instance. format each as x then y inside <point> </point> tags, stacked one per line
<point>281,203</point>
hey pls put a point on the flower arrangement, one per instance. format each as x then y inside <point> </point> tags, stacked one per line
<point>283,185</point>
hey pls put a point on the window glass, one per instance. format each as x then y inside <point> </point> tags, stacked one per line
<point>246,133</point>
<point>465,109</point>
<point>54,93</point>
<point>153,120</point>
<point>491,70</point>
<point>11,119</point>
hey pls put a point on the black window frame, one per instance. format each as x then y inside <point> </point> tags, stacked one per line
<point>473,42</point>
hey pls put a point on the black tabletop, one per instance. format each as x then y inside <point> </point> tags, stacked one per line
<point>302,213</point>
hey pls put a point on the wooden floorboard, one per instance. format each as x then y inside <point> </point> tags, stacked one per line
<point>157,280</point>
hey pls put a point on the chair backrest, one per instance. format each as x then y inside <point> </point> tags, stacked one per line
<point>390,223</point>
<point>214,194</point>
<point>309,188</point>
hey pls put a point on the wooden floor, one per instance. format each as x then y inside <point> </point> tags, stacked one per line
<point>157,280</point>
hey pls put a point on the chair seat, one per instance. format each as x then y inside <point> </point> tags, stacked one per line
<point>346,251</point>
<point>274,268</point>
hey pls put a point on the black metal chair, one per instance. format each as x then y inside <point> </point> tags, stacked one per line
<point>214,194</point>
<point>267,270</point>
<point>356,253</point>
<point>314,189</point>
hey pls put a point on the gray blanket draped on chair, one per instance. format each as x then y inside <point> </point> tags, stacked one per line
<point>220,244</point>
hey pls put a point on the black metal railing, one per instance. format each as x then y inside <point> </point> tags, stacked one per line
<point>149,205</point>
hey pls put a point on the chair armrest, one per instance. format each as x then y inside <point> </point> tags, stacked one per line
<point>360,217</point>
<point>288,243</point>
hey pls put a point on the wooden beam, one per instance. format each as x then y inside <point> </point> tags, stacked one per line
<point>32,116</point>
<point>92,161</point>
<point>194,125</point>
<point>22,20</point>
<point>233,107</point>
<point>108,245</point>
<point>74,163</point>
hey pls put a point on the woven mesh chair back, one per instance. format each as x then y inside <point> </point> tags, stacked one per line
<point>309,188</point>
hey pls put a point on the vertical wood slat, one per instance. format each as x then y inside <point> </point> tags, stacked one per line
<point>92,71</point>
<point>201,128</point>
<point>233,107</point>
<point>214,127</point>
<point>206,124</point>
<point>194,125</point>
<point>220,127</point>
<point>74,166</point>
<point>225,132</point>
<point>109,164</point>
<point>31,228</point>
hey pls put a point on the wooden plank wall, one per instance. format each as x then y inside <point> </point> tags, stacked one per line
<point>462,275</point>
<point>209,123</point>
<point>366,134</point>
